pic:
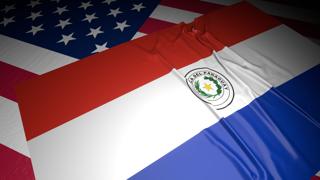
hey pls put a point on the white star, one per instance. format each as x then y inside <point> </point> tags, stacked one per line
<point>66,38</point>
<point>100,48</point>
<point>60,10</point>
<point>34,16</point>
<point>95,32</point>
<point>85,5</point>
<point>108,1</point>
<point>114,12</point>
<point>63,23</point>
<point>89,18</point>
<point>6,21</point>
<point>35,29</point>
<point>33,3</point>
<point>121,26</point>
<point>8,8</point>
<point>138,7</point>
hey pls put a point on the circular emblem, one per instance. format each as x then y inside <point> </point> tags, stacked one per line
<point>211,87</point>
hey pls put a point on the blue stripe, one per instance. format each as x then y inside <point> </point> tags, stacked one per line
<point>271,138</point>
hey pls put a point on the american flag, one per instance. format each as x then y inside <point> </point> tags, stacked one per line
<point>39,36</point>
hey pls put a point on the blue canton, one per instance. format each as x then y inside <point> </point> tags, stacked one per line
<point>74,28</point>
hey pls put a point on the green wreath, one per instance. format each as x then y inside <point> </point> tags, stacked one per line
<point>197,86</point>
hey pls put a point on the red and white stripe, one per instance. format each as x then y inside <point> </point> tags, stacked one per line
<point>316,176</point>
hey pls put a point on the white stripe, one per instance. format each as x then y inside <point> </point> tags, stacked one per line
<point>266,60</point>
<point>318,173</point>
<point>222,2</point>
<point>125,135</point>
<point>138,35</point>
<point>30,57</point>
<point>173,15</point>
<point>287,11</point>
<point>121,137</point>
<point>282,47</point>
<point>11,129</point>
<point>316,41</point>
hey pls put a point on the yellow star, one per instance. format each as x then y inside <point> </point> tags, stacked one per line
<point>207,86</point>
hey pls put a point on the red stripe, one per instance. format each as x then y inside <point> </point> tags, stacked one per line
<point>315,178</point>
<point>10,76</point>
<point>151,25</point>
<point>191,5</point>
<point>63,94</point>
<point>307,29</point>
<point>236,23</point>
<point>14,166</point>
<point>304,28</point>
